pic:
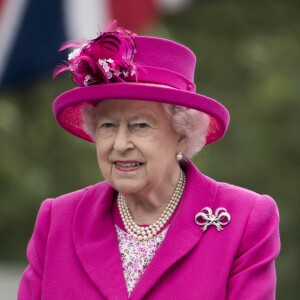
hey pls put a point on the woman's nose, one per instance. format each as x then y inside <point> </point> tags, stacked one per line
<point>123,140</point>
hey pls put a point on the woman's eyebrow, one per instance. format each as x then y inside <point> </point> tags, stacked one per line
<point>140,115</point>
<point>106,118</point>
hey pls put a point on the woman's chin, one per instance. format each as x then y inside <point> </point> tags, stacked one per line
<point>128,186</point>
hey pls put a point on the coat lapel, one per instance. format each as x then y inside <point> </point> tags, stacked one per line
<point>95,242</point>
<point>183,234</point>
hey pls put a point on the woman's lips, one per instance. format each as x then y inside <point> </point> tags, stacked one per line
<point>127,166</point>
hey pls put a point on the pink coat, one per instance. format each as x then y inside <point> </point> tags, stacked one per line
<point>73,252</point>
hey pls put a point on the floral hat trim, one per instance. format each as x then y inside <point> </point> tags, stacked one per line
<point>105,59</point>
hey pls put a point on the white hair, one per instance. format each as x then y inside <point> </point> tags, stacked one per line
<point>187,122</point>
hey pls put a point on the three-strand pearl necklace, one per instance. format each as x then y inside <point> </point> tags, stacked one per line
<point>142,233</point>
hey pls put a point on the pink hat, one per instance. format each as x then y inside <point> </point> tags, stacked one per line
<point>121,65</point>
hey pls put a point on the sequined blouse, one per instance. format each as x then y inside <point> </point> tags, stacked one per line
<point>136,255</point>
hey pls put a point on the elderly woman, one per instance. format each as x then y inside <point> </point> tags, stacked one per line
<point>156,228</point>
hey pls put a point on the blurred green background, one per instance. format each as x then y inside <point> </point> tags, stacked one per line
<point>248,58</point>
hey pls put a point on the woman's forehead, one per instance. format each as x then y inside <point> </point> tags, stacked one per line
<point>135,107</point>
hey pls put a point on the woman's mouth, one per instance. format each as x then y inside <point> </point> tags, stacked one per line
<point>127,165</point>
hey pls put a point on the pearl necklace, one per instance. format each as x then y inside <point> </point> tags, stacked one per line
<point>144,233</point>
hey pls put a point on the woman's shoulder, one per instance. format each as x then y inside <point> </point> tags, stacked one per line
<point>62,209</point>
<point>72,199</point>
<point>246,203</point>
<point>232,193</point>
<point>229,195</point>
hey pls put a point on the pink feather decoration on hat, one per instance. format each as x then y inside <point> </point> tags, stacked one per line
<point>108,58</point>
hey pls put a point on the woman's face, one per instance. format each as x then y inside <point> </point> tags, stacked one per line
<point>136,146</point>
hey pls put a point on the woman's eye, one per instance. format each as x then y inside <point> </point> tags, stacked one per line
<point>108,125</point>
<point>141,125</point>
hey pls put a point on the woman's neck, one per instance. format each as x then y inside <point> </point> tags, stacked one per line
<point>146,208</point>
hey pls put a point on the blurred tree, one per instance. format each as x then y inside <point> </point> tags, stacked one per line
<point>37,160</point>
<point>248,58</point>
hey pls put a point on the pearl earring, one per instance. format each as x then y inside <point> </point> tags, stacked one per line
<point>179,156</point>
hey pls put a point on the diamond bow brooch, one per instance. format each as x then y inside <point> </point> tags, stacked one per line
<point>207,218</point>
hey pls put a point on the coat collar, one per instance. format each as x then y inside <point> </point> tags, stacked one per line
<point>96,242</point>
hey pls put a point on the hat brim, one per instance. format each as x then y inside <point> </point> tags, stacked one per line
<point>67,106</point>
